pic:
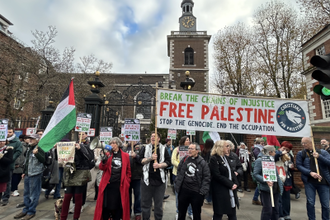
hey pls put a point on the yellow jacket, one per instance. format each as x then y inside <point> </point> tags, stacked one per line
<point>175,160</point>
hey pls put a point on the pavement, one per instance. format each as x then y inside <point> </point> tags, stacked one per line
<point>247,211</point>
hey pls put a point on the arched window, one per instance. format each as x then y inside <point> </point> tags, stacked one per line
<point>143,105</point>
<point>188,56</point>
<point>187,8</point>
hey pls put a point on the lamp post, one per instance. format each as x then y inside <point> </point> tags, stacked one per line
<point>189,82</point>
<point>94,102</point>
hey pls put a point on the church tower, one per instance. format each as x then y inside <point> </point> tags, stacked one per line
<point>188,51</point>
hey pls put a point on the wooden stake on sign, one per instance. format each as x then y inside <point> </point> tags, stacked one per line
<point>314,150</point>
<point>271,195</point>
<point>80,138</point>
<point>191,139</point>
<point>156,136</point>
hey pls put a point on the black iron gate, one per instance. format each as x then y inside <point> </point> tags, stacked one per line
<point>139,98</point>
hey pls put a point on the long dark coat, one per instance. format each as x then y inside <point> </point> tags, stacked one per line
<point>220,185</point>
<point>5,164</point>
<point>124,186</point>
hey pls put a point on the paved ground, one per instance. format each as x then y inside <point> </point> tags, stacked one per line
<point>247,211</point>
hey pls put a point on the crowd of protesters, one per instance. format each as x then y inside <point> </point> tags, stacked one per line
<point>212,176</point>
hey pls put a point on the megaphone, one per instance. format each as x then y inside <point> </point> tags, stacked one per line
<point>96,143</point>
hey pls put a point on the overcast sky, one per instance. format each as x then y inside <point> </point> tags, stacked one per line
<point>129,33</point>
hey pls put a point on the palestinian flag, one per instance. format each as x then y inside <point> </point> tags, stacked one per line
<point>211,135</point>
<point>62,121</point>
<point>271,140</point>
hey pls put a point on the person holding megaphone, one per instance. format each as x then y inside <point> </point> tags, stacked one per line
<point>113,196</point>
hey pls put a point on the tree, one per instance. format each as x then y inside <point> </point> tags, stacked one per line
<point>277,44</point>
<point>316,14</point>
<point>31,76</point>
<point>233,60</point>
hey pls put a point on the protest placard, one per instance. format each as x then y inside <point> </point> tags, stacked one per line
<point>83,122</point>
<point>3,129</point>
<point>132,129</point>
<point>191,132</point>
<point>65,152</point>
<point>171,134</point>
<point>232,114</point>
<point>106,134</point>
<point>268,169</point>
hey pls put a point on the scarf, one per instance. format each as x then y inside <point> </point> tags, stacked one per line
<point>11,137</point>
<point>231,193</point>
<point>244,155</point>
<point>2,149</point>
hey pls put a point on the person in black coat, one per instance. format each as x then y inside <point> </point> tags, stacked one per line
<point>235,165</point>
<point>223,182</point>
<point>6,159</point>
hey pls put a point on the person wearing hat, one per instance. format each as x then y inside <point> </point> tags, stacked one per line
<point>32,175</point>
<point>268,212</point>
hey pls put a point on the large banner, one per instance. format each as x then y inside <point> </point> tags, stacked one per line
<point>232,114</point>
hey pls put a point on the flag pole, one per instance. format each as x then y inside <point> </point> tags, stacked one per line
<point>156,136</point>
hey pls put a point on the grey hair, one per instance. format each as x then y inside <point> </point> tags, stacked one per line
<point>117,141</point>
<point>196,145</point>
<point>267,149</point>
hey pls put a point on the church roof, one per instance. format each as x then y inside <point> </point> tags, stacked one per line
<point>187,1</point>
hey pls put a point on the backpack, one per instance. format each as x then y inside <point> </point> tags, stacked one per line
<point>303,156</point>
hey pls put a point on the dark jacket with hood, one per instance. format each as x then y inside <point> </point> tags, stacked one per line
<point>17,145</point>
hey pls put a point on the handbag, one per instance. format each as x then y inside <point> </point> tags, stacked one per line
<point>73,177</point>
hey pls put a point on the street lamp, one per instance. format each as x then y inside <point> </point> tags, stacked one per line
<point>189,82</point>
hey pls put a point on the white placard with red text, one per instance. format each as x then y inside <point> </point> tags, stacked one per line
<point>171,134</point>
<point>132,129</point>
<point>83,122</point>
<point>106,134</point>
<point>3,129</point>
<point>232,114</point>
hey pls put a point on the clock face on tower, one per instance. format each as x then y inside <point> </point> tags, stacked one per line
<point>188,22</point>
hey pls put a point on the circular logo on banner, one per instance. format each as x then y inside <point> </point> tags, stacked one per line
<point>291,117</point>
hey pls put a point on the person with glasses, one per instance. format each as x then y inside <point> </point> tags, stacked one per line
<point>113,196</point>
<point>313,181</point>
<point>192,182</point>
<point>178,153</point>
<point>223,182</point>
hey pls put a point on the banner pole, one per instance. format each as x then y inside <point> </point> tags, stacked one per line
<point>272,196</point>
<point>314,150</point>
<point>156,124</point>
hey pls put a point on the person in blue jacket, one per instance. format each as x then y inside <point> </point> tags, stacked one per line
<point>312,180</point>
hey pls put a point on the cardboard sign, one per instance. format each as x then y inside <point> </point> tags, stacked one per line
<point>232,114</point>
<point>30,131</point>
<point>66,152</point>
<point>191,132</point>
<point>83,122</point>
<point>171,134</point>
<point>183,151</point>
<point>268,169</point>
<point>132,129</point>
<point>91,132</point>
<point>3,129</point>
<point>106,134</point>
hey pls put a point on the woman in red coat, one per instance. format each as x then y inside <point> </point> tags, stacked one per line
<point>113,197</point>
